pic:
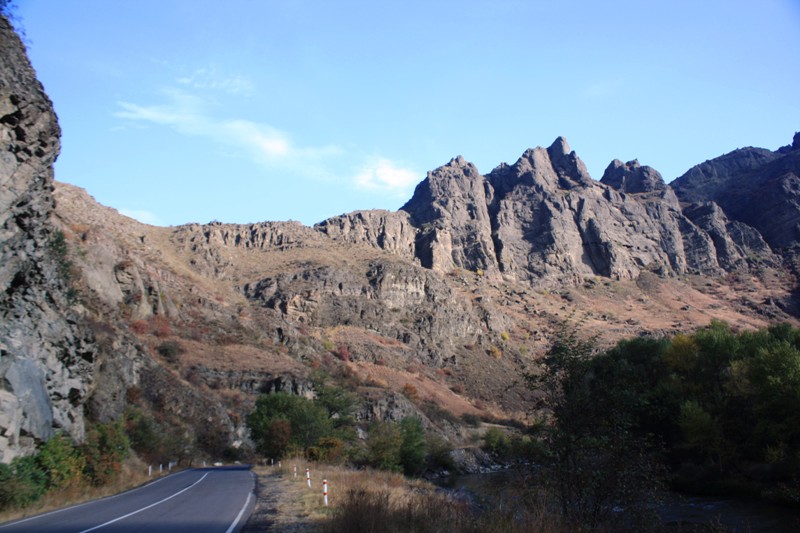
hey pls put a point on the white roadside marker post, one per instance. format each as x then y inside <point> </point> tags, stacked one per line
<point>295,470</point>
<point>325,491</point>
<point>308,477</point>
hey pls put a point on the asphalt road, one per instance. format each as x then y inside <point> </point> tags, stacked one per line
<point>207,500</point>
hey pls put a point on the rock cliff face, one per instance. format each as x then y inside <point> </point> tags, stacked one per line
<point>46,359</point>
<point>545,221</point>
<point>387,230</point>
<point>753,186</point>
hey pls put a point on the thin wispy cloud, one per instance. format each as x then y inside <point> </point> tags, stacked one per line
<point>189,114</point>
<point>212,79</point>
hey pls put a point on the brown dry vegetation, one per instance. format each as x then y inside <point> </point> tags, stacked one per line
<point>376,501</point>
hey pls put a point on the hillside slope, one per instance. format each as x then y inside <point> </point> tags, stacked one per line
<point>435,310</point>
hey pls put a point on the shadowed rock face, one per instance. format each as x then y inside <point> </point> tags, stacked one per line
<point>754,186</point>
<point>45,358</point>
<point>631,177</point>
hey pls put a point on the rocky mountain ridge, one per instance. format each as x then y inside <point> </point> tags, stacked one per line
<point>545,221</point>
<point>435,309</point>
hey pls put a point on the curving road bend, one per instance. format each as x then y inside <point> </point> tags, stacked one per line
<point>206,500</point>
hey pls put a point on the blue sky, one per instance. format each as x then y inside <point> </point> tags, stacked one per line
<point>177,111</point>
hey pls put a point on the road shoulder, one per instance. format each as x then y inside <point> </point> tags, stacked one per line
<point>277,506</point>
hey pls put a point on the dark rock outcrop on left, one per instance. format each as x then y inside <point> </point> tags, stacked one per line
<point>46,358</point>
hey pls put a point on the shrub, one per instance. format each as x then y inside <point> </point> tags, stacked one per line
<point>439,452</point>
<point>410,392</point>
<point>343,352</point>
<point>59,250</point>
<point>21,483</point>
<point>472,420</point>
<point>139,327</point>
<point>329,450</point>
<point>105,449</point>
<point>61,462</point>
<point>383,446</point>
<point>152,440</point>
<point>496,442</point>
<point>170,350</point>
<point>496,352</point>
<point>161,327</point>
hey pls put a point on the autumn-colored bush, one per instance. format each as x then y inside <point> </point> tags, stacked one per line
<point>410,392</point>
<point>105,449</point>
<point>160,326</point>
<point>139,327</point>
<point>343,352</point>
<point>496,352</point>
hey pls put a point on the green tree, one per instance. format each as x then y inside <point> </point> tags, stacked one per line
<point>774,375</point>
<point>596,458</point>
<point>701,432</point>
<point>22,483</point>
<point>496,441</point>
<point>413,446</point>
<point>340,403</point>
<point>383,446</point>
<point>61,462</point>
<point>307,420</point>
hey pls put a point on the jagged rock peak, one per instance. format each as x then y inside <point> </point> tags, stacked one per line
<point>632,177</point>
<point>568,166</point>
<point>560,147</point>
<point>555,167</point>
<point>458,161</point>
<point>442,188</point>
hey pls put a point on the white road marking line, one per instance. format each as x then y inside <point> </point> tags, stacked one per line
<point>145,508</point>
<point>239,516</point>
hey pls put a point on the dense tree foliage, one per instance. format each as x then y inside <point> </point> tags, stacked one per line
<point>720,410</point>
<point>595,459</point>
<point>283,422</point>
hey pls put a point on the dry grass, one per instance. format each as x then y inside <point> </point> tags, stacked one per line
<point>428,388</point>
<point>377,501</point>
